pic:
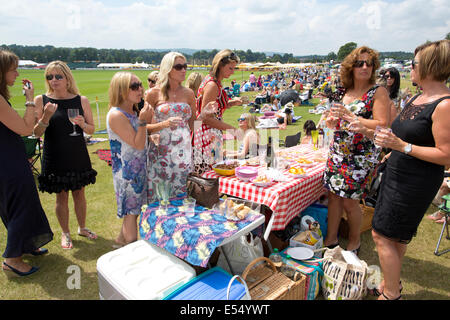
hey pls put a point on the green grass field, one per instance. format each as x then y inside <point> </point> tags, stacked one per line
<point>424,275</point>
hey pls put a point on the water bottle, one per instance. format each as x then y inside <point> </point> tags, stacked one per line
<point>275,257</point>
<point>286,268</point>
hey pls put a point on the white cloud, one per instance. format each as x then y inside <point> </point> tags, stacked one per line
<point>299,27</point>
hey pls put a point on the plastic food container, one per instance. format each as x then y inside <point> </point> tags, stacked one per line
<point>246,173</point>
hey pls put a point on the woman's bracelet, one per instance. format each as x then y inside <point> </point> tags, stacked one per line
<point>41,124</point>
<point>142,123</point>
<point>30,104</point>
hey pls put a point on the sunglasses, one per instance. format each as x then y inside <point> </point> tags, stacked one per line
<point>57,77</point>
<point>388,76</point>
<point>360,63</point>
<point>180,66</point>
<point>136,86</point>
<point>232,56</point>
<point>241,119</point>
<point>152,81</point>
<point>414,63</point>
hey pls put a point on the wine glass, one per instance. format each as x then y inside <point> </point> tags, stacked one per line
<point>33,136</point>
<point>73,113</point>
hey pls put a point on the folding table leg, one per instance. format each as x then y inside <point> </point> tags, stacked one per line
<point>445,226</point>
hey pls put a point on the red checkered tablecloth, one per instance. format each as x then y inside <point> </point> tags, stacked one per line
<point>285,199</point>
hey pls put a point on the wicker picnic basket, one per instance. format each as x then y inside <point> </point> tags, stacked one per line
<point>265,282</point>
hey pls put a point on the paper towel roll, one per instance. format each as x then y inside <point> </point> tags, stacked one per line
<point>304,222</point>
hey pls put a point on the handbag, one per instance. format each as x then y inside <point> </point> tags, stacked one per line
<point>204,190</point>
<point>343,280</point>
<point>240,253</point>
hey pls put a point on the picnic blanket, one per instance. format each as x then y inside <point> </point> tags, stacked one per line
<point>192,239</point>
<point>105,155</point>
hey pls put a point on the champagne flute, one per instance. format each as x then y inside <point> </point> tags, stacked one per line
<point>73,113</point>
<point>315,136</point>
<point>33,136</point>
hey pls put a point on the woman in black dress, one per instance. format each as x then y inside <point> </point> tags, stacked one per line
<point>20,207</point>
<point>66,165</point>
<point>420,143</point>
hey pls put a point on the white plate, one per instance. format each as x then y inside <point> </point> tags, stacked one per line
<point>300,253</point>
<point>298,176</point>
<point>262,184</point>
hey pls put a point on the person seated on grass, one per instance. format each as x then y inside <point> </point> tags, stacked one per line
<point>438,216</point>
<point>285,116</point>
<point>307,128</point>
<point>249,138</point>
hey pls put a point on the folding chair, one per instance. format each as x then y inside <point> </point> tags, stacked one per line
<point>291,141</point>
<point>445,208</point>
<point>237,90</point>
<point>33,151</point>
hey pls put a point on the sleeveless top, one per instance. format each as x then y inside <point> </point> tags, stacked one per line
<point>414,125</point>
<point>65,163</point>
<point>207,142</point>
<point>129,169</point>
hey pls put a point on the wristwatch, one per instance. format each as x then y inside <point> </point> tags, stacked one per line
<point>407,149</point>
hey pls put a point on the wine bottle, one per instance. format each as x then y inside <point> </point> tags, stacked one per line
<point>269,155</point>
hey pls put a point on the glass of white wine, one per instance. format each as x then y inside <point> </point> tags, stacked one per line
<point>72,114</point>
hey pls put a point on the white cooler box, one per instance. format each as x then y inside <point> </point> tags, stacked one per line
<point>140,271</point>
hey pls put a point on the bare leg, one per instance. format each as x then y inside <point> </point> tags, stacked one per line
<point>391,255</point>
<point>128,233</point>
<point>335,206</point>
<point>79,203</point>
<point>17,263</point>
<point>62,210</point>
<point>354,215</point>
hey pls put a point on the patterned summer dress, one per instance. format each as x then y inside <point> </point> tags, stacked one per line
<point>171,160</point>
<point>129,168</point>
<point>353,158</point>
<point>208,141</point>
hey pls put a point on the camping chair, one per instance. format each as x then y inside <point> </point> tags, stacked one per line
<point>291,141</point>
<point>33,152</point>
<point>445,208</point>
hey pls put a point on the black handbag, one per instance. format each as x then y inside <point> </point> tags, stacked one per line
<point>204,190</point>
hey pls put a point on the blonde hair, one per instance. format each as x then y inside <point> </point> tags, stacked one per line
<point>434,60</point>
<point>165,67</point>
<point>153,75</point>
<point>119,88</point>
<point>349,61</point>
<point>194,81</point>
<point>221,59</point>
<point>63,68</point>
<point>8,60</point>
<point>251,120</point>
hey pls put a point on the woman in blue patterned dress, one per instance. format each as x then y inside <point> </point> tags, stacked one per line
<point>174,107</point>
<point>128,140</point>
<point>353,157</point>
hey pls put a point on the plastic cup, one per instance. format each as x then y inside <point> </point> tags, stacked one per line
<point>189,206</point>
<point>378,130</point>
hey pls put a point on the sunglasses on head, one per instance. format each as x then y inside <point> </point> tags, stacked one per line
<point>180,66</point>
<point>414,63</point>
<point>360,63</point>
<point>231,56</point>
<point>152,81</point>
<point>135,86</point>
<point>57,77</point>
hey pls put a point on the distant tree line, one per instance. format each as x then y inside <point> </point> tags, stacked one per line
<point>45,54</point>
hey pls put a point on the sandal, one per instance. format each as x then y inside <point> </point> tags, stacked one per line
<point>66,241</point>
<point>435,216</point>
<point>387,298</point>
<point>85,232</point>
<point>376,292</point>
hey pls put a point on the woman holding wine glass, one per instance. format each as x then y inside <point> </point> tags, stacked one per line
<point>66,165</point>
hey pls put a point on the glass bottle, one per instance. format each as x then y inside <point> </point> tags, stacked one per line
<point>286,268</point>
<point>275,257</point>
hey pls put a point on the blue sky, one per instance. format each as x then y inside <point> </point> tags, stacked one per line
<point>300,27</point>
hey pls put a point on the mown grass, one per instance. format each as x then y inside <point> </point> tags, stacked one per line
<point>424,275</point>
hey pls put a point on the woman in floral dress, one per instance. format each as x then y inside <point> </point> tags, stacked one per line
<point>174,105</point>
<point>127,133</point>
<point>353,157</point>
